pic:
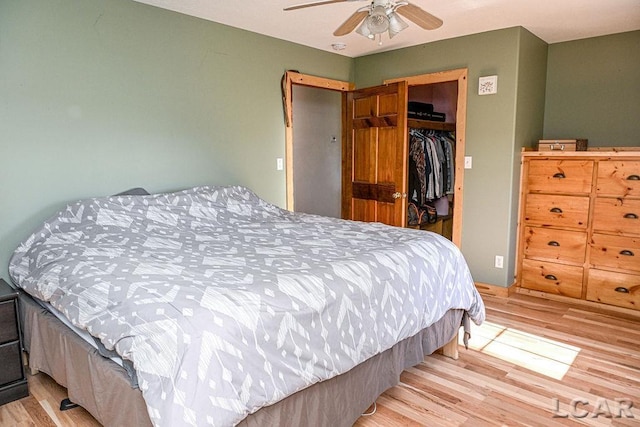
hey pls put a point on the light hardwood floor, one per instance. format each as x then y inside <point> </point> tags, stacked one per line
<point>527,363</point>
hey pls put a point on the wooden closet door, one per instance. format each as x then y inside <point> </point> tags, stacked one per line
<point>374,176</point>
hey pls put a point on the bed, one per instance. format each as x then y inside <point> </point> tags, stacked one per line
<point>231,310</point>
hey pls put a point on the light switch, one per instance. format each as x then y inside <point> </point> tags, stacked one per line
<point>468,162</point>
<point>279,163</point>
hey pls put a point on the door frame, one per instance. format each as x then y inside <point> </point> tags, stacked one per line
<point>290,78</point>
<point>460,75</point>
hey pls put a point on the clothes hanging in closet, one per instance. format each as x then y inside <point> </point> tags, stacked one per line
<point>431,165</point>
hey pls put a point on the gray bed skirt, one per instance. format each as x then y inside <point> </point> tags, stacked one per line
<point>102,387</point>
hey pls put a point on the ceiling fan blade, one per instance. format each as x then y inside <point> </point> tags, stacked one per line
<point>317,3</point>
<point>419,16</point>
<point>351,23</point>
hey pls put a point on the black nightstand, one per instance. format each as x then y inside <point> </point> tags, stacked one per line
<point>13,383</point>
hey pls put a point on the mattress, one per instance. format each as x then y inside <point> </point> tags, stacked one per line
<point>102,387</point>
<point>93,342</point>
<point>86,336</point>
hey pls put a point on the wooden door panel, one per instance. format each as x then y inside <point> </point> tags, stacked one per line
<point>388,104</point>
<point>376,192</point>
<point>375,154</point>
<point>386,213</point>
<point>387,155</point>
<point>364,156</point>
<point>363,210</point>
<point>364,108</point>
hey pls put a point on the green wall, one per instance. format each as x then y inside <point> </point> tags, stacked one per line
<point>492,132</point>
<point>581,89</point>
<point>99,96</point>
<point>593,90</point>
<point>529,122</point>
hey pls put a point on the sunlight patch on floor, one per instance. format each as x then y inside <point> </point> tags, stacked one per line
<point>538,354</point>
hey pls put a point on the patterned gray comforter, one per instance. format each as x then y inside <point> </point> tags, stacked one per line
<point>225,303</point>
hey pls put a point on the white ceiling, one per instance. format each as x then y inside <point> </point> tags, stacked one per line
<point>551,20</point>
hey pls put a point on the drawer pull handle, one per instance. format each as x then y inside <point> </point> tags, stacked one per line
<point>626,252</point>
<point>631,216</point>
<point>558,210</point>
<point>553,243</point>
<point>633,178</point>
<point>622,290</point>
<point>550,277</point>
<point>560,175</point>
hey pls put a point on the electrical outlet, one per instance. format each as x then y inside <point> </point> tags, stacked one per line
<point>468,162</point>
<point>499,263</point>
<point>279,163</point>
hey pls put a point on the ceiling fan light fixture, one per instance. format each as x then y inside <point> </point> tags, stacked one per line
<point>364,30</point>
<point>396,24</point>
<point>380,16</point>
<point>378,21</point>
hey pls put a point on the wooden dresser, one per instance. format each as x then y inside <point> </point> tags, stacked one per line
<point>579,225</point>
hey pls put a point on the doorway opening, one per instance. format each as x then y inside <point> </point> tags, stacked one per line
<point>447,92</point>
<point>313,147</point>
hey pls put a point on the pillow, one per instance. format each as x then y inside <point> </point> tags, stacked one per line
<point>138,191</point>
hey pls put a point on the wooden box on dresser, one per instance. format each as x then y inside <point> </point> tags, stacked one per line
<point>13,382</point>
<point>579,225</point>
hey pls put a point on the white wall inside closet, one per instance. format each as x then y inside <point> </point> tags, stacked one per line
<point>317,156</point>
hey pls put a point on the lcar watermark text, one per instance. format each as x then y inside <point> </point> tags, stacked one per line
<point>583,408</point>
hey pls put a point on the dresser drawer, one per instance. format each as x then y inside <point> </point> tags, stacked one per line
<point>8,325</point>
<point>552,278</point>
<point>11,363</point>
<point>619,178</point>
<point>615,252</point>
<point>549,244</point>
<point>560,176</point>
<point>614,288</point>
<point>559,211</point>
<point>617,215</point>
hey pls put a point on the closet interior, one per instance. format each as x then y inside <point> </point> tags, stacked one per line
<point>431,124</point>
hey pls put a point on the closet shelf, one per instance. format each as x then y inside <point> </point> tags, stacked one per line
<point>429,124</point>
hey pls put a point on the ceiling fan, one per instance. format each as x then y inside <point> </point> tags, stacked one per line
<point>380,16</point>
